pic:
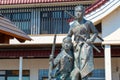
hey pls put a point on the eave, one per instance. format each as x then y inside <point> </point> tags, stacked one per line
<point>9,29</point>
<point>102,11</point>
<point>44,4</point>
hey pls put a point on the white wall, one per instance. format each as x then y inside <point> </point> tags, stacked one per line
<point>34,65</point>
<point>111,26</point>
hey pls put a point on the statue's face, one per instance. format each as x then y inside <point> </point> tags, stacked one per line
<point>67,45</point>
<point>79,12</point>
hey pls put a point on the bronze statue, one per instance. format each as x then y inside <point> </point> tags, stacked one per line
<point>75,61</point>
<point>63,63</point>
<point>83,47</point>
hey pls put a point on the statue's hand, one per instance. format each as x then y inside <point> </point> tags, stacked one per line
<point>51,57</point>
<point>89,41</point>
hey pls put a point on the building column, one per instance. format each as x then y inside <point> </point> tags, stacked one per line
<point>20,67</point>
<point>107,53</point>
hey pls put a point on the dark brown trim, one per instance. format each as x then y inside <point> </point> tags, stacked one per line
<point>45,52</point>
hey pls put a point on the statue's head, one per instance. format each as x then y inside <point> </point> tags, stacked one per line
<point>67,43</point>
<point>79,11</point>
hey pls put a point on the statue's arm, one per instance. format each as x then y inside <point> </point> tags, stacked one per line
<point>57,60</point>
<point>70,33</point>
<point>94,31</point>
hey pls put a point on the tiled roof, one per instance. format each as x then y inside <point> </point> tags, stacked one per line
<point>96,5</point>
<point>12,2</point>
<point>6,27</point>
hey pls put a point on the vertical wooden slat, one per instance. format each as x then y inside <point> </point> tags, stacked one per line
<point>38,21</point>
<point>24,22</point>
<point>35,20</point>
<point>31,21</point>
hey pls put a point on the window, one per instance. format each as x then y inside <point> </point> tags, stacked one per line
<point>57,21</point>
<point>41,20</point>
<point>14,75</point>
<point>54,20</point>
<point>43,74</point>
<point>21,20</point>
<point>98,74</point>
<point>2,75</point>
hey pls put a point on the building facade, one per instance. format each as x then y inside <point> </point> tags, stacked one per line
<point>39,19</point>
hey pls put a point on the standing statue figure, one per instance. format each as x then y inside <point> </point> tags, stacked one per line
<point>83,47</point>
<point>63,63</point>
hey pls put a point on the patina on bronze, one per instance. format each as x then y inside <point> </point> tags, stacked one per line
<point>82,49</point>
<point>62,65</point>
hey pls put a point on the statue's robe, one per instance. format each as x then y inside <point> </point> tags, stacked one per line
<point>83,52</point>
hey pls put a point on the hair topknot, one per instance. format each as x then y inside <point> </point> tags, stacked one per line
<point>81,6</point>
<point>67,39</point>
